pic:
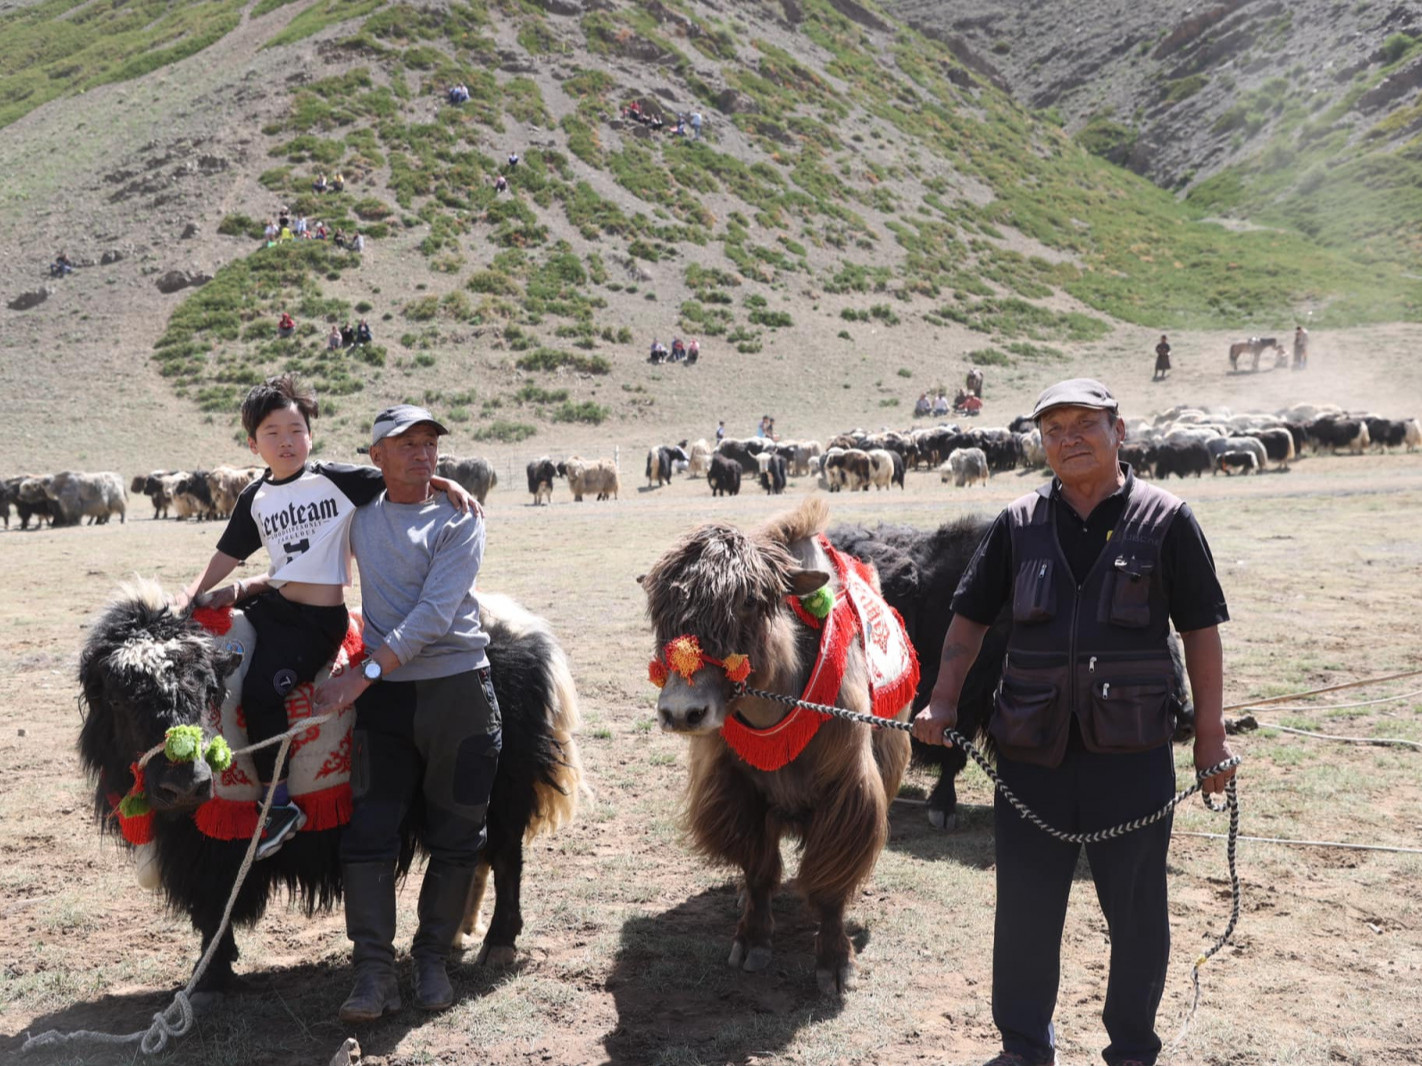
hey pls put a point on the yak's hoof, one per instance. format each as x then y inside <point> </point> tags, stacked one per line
<point>835,983</point>
<point>497,955</point>
<point>756,958</point>
<point>941,820</point>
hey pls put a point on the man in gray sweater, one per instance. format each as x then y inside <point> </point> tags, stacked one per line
<point>427,721</point>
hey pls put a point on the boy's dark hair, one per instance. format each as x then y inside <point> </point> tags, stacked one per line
<point>273,395</point>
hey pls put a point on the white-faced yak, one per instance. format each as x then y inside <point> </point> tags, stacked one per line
<point>145,669</point>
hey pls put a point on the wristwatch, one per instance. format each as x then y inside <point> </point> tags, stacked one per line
<point>372,670</point>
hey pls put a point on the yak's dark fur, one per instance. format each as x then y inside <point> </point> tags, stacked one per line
<point>128,708</point>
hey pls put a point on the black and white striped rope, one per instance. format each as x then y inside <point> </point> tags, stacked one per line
<point>1230,804</point>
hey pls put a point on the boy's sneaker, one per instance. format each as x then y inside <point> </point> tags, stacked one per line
<point>282,823</point>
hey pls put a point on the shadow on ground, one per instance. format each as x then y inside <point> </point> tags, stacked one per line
<point>678,1001</point>
<point>286,1015</point>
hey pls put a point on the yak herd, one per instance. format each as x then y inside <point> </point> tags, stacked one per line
<point>1182,441</point>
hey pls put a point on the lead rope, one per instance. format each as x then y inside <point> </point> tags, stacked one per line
<point>1230,804</point>
<point>177,1018</point>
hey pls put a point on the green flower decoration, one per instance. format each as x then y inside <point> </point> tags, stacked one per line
<point>819,603</point>
<point>134,805</point>
<point>218,754</point>
<point>183,743</point>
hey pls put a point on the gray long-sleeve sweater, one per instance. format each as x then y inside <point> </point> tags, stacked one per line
<point>418,564</point>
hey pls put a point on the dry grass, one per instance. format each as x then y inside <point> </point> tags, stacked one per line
<point>623,955</point>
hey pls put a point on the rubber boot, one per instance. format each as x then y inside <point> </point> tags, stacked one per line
<point>370,924</point>
<point>444,896</point>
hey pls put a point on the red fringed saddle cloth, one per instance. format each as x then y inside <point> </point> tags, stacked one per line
<point>318,763</point>
<point>859,613</point>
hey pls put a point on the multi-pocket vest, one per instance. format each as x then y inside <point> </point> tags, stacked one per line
<point>1097,651</point>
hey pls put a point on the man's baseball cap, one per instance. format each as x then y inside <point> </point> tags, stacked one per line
<point>394,421</point>
<point>1074,392</point>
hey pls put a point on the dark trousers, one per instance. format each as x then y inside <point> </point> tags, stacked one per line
<point>294,641</point>
<point>432,744</point>
<point>1034,876</point>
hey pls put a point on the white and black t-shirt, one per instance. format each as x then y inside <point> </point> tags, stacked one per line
<point>303,521</point>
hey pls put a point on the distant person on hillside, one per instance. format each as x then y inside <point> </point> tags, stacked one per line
<point>513,160</point>
<point>333,339</point>
<point>319,185</point>
<point>923,406</point>
<point>658,353</point>
<point>357,243</point>
<point>300,228</point>
<point>285,234</point>
<point>696,125</point>
<point>362,333</point>
<point>678,350</point>
<point>720,431</point>
<point>271,230</point>
<point>1162,359</point>
<point>940,404</point>
<point>321,231</point>
<point>286,325</point>
<point>501,183</point>
<point>348,336</point>
<point>338,182</point>
<point>340,238</point>
<point>61,266</point>
<point>283,219</point>
<point>1300,348</point>
<point>693,351</point>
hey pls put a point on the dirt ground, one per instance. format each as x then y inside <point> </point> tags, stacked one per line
<point>623,957</point>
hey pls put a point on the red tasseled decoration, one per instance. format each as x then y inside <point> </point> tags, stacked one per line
<point>137,830</point>
<point>214,620</point>
<point>325,809</point>
<point>227,820</point>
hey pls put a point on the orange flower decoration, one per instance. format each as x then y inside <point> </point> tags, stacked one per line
<point>684,655</point>
<point>737,667</point>
<point>657,673</point>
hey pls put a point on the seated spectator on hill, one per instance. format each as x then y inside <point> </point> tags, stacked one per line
<point>696,125</point>
<point>300,228</point>
<point>340,238</point>
<point>459,94</point>
<point>678,350</point>
<point>362,334</point>
<point>348,337</point>
<point>679,130</point>
<point>286,325</point>
<point>338,182</point>
<point>357,243</point>
<point>271,230</point>
<point>501,183</point>
<point>319,185</point>
<point>321,231</point>
<point>971,404</point>
<point>513,160</point>
<point>763,430</point>
<point>61,266</point>
<point>940,405</point>
<point>659,352</point>
<point>333,339</point>
<point>283,218</point>
<point>923,406</point>
<point>633,110</point>
<point>693,350</point>
<point>656,123</point>
<point>285,234</point>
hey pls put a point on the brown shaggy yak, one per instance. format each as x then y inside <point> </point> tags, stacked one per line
<point>729,590</point>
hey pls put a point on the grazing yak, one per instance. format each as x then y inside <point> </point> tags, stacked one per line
<point>541,473</point>
<point>659,466</point>
<point>1385,434</point>
<point>1237,460</point>
<point>157,486</point>
<point>724,476</point>
<point>966,466</point>
<point>477,474</point>
<point>27,493</point>
<point>698,460</point>
<point>192,496</point>
<point>1333,432</point>
<point>772,472</point>
<point>597,478</point>
<point>74,495</point>
<point>717,601</point>
<point>742,452</point>
<point>145,669</point>
<point>1182,458</point>
<point>225,485</point>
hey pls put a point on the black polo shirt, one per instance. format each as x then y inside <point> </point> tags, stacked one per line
<point>1187,569</point>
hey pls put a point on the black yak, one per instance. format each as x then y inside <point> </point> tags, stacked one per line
<point>145,668</point>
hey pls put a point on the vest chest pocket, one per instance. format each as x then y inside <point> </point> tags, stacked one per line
<point>1128,715</point>
<point>1034,593</point>
<point>1125,596</point>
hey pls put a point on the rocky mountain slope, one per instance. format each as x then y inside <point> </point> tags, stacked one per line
<point>1301,114</point>
<point>867,215</point>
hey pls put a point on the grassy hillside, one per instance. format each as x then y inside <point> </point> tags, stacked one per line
<point>856,187</point>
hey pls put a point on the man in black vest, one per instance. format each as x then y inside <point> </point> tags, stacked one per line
<point>1094,568</point>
